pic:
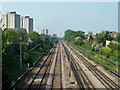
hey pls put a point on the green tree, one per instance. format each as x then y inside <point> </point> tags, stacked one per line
<point>27,58</point>
<point>22,33</point>
<point>35,37</point>
<point>90,33</point>
<point>117,38</point>
<point>91,38</point>
<point>11,36</point>
<point>113,46</point>
<point>70,35</point>
<point>101,38</point>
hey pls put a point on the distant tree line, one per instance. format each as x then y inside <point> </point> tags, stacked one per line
<point>97,44</point>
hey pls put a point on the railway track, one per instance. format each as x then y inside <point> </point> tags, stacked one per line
<point>81,77</point>
<point>37,81</point>
<point>106,81</point>
<point>38,78</point>
<point>103,65</point>
<point>58,71</point>
<point>49,75</point>
<point>55,80</point>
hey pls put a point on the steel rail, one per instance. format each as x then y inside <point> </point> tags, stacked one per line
<point>99,73</point>
<point>80,82</point>
<point>54,70</point>
<point>83,75</point>
<point>28,87</point>
<point>61,66</point>
<point>90,83</point>
<point>45,72</point>
<point>105,66</point>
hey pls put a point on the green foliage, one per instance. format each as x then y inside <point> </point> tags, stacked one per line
<point>11,51</point>
<point>41,49</point>
<point>35,37</point>
<point>113,46</point>
<point>11,36</point>
<point>91,38</point>
<point>101,38</point>
<point>105,51</point>
<point>108,37</point>
<point>22,33</point>
<point>27,58</point>
<point>25,47</point>
<point>117,38</point>
<point>90,33</point>
<point>70,35</point>
<point>79,42</point>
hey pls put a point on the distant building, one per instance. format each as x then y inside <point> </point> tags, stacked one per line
<point>107,43</point>
<point>50,35</point>
<point>54,35</point>
<point>11,20</point>
<point>44,31</point>
<point>112,33</point>
<point>113,42</point>
<point>26,23</point>
<point>94,36</point>
<point>77,38</point>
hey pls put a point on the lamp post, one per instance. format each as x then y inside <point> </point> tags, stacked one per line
<point>70,61</point>
<point>21,54</point>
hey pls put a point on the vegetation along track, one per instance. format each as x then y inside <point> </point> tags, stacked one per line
<point>106,81</point>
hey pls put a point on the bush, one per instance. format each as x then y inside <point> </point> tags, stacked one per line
<point>27,58</point>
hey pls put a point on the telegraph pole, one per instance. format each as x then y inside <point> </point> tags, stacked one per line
<point>20,54</point>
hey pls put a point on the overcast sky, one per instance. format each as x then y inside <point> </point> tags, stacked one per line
<point>59,16</point>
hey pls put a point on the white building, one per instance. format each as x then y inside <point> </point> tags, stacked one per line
<point>4,21</point>
<point>26,23</point>
<point>54,35</point>
<point>44,31</point>
<point>11,20</point>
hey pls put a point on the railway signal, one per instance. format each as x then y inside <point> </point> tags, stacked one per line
<point>38,53</point>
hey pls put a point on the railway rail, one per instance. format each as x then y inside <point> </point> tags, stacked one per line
<point>42,70</point>
<point>55,78</point>
<point>81,77</point>
<point>105,66</point>
<point>106,81</point>
<point>36,80</point>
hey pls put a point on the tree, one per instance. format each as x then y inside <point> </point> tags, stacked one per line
<point>117,38</point>
<point>90,33</point>
<point>91,38</point>
<point>70,35</point>
<point>11,36</point>
<point>22,33</point>
<point>113,46</point>
<point>108,37</point>
<point>101,38</point>
<point>35,37</point>
<point>27,58</point>
<point>80,42</point>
